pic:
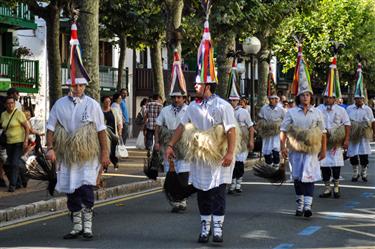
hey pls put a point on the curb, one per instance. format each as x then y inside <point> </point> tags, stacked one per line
<point>59,203</point>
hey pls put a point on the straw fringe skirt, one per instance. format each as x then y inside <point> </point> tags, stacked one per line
<point>208,147</point>
<point>77,148</point>
<point>268,128</point>
<point>304,140</point>
<point>360,130</point>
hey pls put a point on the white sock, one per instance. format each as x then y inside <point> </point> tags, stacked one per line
<point>218,225</point>
<point>308,202</point>
<point>205,224</point>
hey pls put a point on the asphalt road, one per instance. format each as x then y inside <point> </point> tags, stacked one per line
<point>261,217</point>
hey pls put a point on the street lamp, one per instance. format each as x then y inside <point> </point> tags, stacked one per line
<point>251,46</point>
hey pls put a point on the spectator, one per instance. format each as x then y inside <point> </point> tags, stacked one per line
<point>125,129</point>
<point>116,101</point>
<point>13,92</point>
<point>17,141</point>
<point>290,104</point>
<point>114,128</point>
<point>152,111</point>
<point>32,134</point>
<point>244,103</point>
<point>140,120</point>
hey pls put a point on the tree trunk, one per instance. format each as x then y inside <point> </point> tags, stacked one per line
<point>121,61</point>
<point>224,43</point>
<point>174,35</point>
<point>157,68</point>
<point>263,66</point>
<point>88,34</point>
<point>54,58</point>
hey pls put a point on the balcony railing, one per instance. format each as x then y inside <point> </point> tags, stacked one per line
<point>18,17</point>
<point>24,74</point>
<point>144,81</point>
<point>108,77</point>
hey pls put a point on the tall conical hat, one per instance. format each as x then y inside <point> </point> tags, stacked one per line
<point>232,83</point>
<point>271,87</point>
<point>301,80</point>
<point>178,84</point>
<point>205,57</point>
<point>77,71</point>
<point>333,82</point>
<point>359,92</point>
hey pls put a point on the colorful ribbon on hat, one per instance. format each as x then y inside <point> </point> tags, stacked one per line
<point>301,73</point>
<point>359,92</point>
<point>333,82</point>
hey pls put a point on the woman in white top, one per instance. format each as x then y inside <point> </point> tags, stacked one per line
<point>303,126</point>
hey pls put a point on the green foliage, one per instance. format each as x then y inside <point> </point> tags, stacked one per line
<point>351,22</point>
<point>140,21</point>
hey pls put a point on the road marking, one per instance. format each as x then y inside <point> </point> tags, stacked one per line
<point>352,204</point>
<point>309,230</point>
<point>349,228</point>
<point>284,246</point>
<point>367,194</point>
<point>316,184</point>
<point>123,175</point>
<point>348,215</point>
<point>350,247</point>
<point>62,213</point>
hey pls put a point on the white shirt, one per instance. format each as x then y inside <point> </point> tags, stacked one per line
<point>18,106</point>
<point>244,120</point>
<point>170,118</point>
<point>243,117</point>
<point>296,116</point>
<point>117,107</point>
<point>334,116</point>
<point>204,116</point>
<point>360,114</point>
<point>271,114</point>
<point>72,117</point>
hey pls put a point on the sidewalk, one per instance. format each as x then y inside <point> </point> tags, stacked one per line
<point>34,200</point>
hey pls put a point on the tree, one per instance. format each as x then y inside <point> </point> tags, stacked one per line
<point>351,22</point>
<point>266,24</point>
<point>88,26</point>
<point>143,25</point>
<point>50,12</point>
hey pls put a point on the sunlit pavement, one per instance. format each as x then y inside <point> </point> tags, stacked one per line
<point>260,217</point>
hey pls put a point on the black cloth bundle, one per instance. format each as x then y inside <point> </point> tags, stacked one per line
<point>176,186</point>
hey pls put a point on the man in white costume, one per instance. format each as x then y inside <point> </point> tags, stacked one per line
<point>167,122</point>
<point>246,125</point>
<point>337,125</point>
<point>363,130</point>
<point>204,114</point>
<point>268,125</point>
<point>77,141</point>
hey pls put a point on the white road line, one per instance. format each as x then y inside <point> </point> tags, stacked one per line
<point>317,184</point>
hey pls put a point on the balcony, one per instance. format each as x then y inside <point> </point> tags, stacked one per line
<point>144,81</point>
<point>107,77</point>
<point>19,17</point>
<point>23,74</point>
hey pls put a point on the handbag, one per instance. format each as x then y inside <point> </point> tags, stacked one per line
<point>121,151</point>
<point>3,136</point>
<point>152,165</point>
<point>140,144</point>
<point>139,119</point>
